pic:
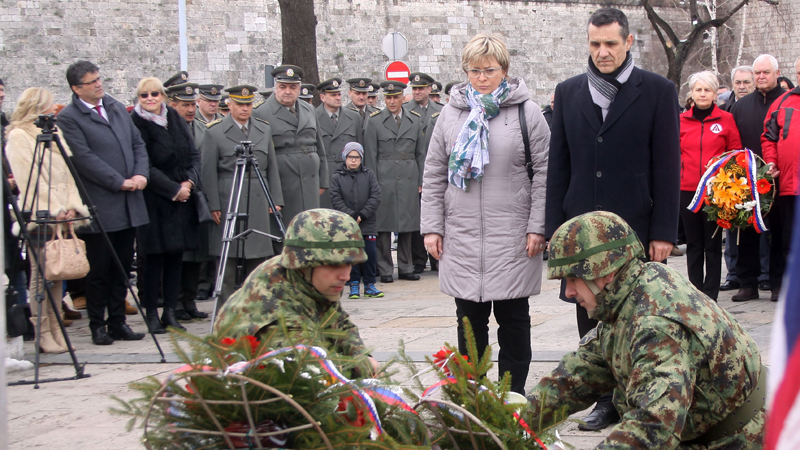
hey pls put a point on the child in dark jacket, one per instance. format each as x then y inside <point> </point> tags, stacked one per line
<point>355,191</point>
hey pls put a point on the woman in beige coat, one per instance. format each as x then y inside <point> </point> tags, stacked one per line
<point>482,217</point>
<point>57,193</point>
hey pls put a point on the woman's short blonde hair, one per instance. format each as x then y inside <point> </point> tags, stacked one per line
<point>707,77</point>
<point>482,47</point>
<point>33,102</point>
<point>151,84</point>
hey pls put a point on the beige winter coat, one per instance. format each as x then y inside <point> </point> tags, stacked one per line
<point>485,229</point>
<point>55,184</point>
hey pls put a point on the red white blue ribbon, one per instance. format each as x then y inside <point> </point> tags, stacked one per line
<point>752,178</point>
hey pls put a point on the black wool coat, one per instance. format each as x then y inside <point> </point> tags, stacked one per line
<point>173,226</point>
<point>357,193</point>
<point>628,164</point>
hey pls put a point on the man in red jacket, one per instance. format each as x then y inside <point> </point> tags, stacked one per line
<point>780,144</point>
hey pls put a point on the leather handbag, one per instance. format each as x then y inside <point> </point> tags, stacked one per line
<point>201,202</point>
<point>65,259</point>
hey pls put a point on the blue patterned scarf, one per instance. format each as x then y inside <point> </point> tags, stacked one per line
<point>471,150</point>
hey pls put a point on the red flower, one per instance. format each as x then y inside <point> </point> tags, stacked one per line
<point>763,186</point>
<point>252,341</point>
<point>724,224</point>
<point>228,342</point>
<point>443,355</point>
<point>751,220</point>
<point>707,200</point>
<point>358,420</point>
<point>741,159</point>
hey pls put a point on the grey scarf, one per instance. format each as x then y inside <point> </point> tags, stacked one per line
<point>604,87</point>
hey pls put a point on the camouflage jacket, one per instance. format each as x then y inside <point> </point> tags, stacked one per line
<point>272,292</point>
<point>677,364</point>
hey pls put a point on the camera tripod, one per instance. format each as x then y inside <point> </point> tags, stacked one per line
<point>236,221</point>
<point>43,218</point>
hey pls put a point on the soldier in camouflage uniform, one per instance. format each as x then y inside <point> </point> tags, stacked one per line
<point>302,284</point>
<point>684,372</point>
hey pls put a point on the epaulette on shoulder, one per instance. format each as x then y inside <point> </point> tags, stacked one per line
<point>211,124</point>
<point>436,114</point>
<point>260,102</point>
<point>414,112</point>
<point>260,120</point>
<point>375,113</point>
<point>352,108</point>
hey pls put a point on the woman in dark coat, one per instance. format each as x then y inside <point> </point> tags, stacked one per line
<point>173,227</point>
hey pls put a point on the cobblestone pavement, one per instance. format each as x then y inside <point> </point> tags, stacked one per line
<point>74,414</point>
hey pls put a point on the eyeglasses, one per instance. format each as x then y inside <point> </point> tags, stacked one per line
<point>489,73</point>
<point>154,94</point>
<point>95,81</point>
<point>354,158</point>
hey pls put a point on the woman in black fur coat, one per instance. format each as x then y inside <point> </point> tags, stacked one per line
<point>173,227</point>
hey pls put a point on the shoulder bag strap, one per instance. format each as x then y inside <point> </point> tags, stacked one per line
<point>523,125</point>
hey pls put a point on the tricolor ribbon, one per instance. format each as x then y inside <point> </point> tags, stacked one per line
<point>752,178</point>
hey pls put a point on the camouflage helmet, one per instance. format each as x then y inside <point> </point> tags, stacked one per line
<point>320,237</point>
<point>591,246</point>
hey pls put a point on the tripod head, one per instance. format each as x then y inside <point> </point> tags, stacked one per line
<point>47,122</point>
<point>245,148</point>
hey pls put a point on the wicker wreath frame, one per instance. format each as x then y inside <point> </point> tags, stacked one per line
<point>245,403</point>
<point>432,405</point>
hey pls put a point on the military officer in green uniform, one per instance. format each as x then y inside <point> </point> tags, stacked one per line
<point>307,92</point>
<point>359,93</point>
<point>302,285</point>
<point>298,143</point>
<point>372,95</point>
<point>436,92</point>
<point>183,98</point>
<point>224,110</point>
<point>394,148</point>
<point>208,102</point>
<point>448,87</point>
<point>683,371</point>
<point>338,126</point>
<point>218,164</point>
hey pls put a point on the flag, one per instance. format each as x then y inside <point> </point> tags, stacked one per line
<point>783,407</point>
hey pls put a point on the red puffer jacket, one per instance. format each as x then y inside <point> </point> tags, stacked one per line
<point>701,141</point>
<point>781,140</point>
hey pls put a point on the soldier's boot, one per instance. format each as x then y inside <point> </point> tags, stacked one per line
<point>370,291</point>
<point>354,290</point>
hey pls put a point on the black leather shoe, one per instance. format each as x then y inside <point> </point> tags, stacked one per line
<point>745,294</point>
<point>408,276</point>
<point>764,285</point>
<point>202,294</point>
<point>168,319</point>
<point>100,337</point>
<point>123,332</point>
<point>182,314</point>
<point>153,324</point>
<point>387,279</point>
<point>603,415</point>
<point>729,286</point>
<point>776,293</point>
<point>434,265</point>
<point>419,268</point>
<point>194,314</point>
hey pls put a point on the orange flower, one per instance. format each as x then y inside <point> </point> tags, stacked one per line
<point>724,224</point>
<point>741,159</point>
<point>763,186</point>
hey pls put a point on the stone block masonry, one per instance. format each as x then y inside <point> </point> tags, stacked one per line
<point>230,41</point>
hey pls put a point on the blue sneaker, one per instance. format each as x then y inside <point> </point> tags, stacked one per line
<point>370,291</point>
<point>354,290</point>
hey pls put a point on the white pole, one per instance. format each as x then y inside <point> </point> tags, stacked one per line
<point>182,41</point>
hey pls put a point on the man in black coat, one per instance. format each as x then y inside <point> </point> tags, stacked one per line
<point>111,159</point>
<point>749,113</point>
<point>615,147</point>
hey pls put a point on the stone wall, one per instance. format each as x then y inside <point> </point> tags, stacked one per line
<point>229,41</point>
<point>774,30</point>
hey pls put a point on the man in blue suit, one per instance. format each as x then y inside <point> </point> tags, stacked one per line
<point>615,147</point>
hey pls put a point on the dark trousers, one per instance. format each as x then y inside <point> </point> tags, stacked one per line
<point>106,286</point>
<point>190,284</point>
<point>513,334</point>
<point>367,270</point>
<point>161,270</point>
<point>748,264</point>
<point>701,248</point>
